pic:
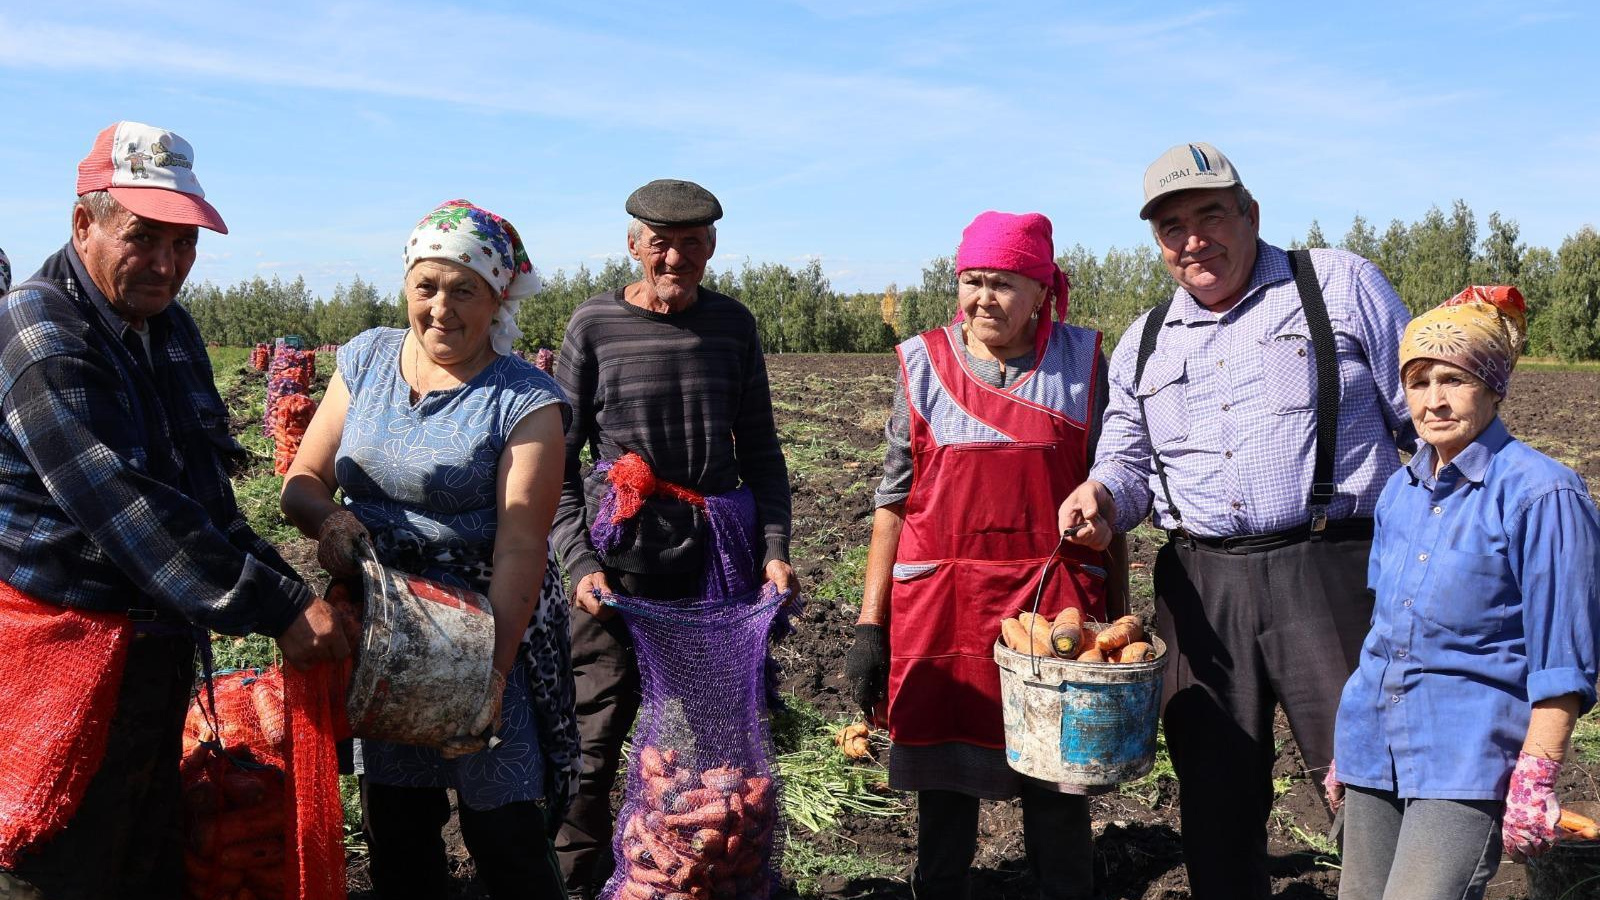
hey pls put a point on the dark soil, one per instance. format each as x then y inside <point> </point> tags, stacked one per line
<point>1138,852</point>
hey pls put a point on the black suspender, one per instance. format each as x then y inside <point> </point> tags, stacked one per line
<point>1327,362</point>
<point>1147,346</point>
<point>1305,278</point>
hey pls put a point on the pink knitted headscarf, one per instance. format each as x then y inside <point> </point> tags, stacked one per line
<point>1014,243</point>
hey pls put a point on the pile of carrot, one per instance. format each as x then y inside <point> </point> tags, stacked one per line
<point>235,808</point>
<point>1068,636</point>
<point>288,421</point>
<point>696,836</point>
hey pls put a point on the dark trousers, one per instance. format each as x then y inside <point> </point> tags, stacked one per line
<point>510,845</point>
<point>1245,633</point>
<point>126,838</point>
<point>606,673</point>
<point>1055,833</point>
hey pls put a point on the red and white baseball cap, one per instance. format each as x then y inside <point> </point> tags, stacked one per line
<point>150,171</point>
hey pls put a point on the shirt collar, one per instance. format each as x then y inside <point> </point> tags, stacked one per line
<point>1272,267</point>
<point>1472,462</point>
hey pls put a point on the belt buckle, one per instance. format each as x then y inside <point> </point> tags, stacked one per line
<point>142,615</point>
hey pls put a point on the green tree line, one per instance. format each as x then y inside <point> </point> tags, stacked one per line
<point>798,311</point>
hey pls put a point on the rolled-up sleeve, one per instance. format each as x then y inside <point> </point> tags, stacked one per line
<point>1555,558</point>
<point>1122,456</point>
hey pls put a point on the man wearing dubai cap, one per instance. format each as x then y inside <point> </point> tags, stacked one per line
<point>1255,416</point>
<point>121,543</point>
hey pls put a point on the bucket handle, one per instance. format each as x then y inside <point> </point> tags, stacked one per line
<point>1044,576</point>
<point>375,574</point>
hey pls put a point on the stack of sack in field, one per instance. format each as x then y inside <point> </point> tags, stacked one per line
<point>260,356</point>
<point>289,403</point>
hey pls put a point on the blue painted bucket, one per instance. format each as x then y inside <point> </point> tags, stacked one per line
<point>1080,723</point>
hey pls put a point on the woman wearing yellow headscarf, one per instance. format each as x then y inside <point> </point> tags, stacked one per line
<point>1484,642</point>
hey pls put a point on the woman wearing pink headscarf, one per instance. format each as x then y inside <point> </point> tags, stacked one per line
<point>993,426</point>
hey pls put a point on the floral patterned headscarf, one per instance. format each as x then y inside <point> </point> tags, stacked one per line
<point>1480,330</point>
<point>476,238</point>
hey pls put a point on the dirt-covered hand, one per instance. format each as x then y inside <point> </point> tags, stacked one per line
<point>313,637</point>
<point>483,726</point>
<point>339,544</point>
<point>867,666</point>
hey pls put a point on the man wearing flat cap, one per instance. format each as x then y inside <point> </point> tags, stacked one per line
<point>671,376</point>
<point>121,543</point>
<point>1255,417</point>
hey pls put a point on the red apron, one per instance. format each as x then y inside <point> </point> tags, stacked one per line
<point>990,469</point>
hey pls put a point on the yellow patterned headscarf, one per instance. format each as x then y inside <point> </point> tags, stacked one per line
<point>1480,330</point>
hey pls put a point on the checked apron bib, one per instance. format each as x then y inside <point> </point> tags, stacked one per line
<point>991,467</point>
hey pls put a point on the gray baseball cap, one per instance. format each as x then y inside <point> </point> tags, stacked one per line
<point>1186,167</point>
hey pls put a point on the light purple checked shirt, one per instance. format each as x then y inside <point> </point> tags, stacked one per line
<point>1231,401</point>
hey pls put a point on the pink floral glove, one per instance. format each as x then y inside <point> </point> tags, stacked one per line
<point>1333,788</point>
<point>1532,810</point>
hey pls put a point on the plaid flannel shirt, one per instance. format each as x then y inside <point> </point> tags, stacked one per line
<point>114,490</point>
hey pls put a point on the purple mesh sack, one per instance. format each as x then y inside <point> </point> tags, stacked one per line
<point>699,819</point>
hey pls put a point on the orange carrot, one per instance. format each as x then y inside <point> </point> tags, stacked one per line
<point>1015,635</point>
<point>712,815</point>
<point>1138,651</point>
<point>1038,633</point>
<point>1122,632</point>
<point>1579,825</point>
<point>1092,654</point>
<point>251,854</point>
<point>725,779</point>
<point>1066,632</point>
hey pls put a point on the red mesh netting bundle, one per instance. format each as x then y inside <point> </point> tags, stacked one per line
<point>259,357</point>
<point>261,790</point>
<point>60,671</point>
<point>287,423</point>
<point>290,372</point>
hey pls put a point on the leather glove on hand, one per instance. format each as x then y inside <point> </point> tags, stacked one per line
<point>1529,826</point>
<point>483,726</point>
<point>338,544</point>
<point>867,666</point>
<point>1332,787</point>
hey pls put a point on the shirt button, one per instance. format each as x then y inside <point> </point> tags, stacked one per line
<point>1406,603</point>
<point>1219,363</point>
<point>1227,454</point>
<point>1394,698</point>
<point>1400,653</point>
<point>1238,505</point>
<point>1437,510</point>
<point>1227,406</point>
<point>1422,557</point>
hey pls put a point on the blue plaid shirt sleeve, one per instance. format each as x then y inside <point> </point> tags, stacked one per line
<point>63,413</point>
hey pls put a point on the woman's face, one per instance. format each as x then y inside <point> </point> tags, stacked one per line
<point>450,308</point>
<point>1449,406</point>
<point>999,304</point>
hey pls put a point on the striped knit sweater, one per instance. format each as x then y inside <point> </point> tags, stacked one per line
<point>682,390</point>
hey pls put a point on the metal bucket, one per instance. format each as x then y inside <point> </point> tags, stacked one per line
<point>426,659</point>
<point>1080,723</point>
<point>1571,869</point>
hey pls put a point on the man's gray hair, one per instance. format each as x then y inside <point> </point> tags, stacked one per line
<point>1242,198</point>
<point>636,229</point>
<point>99,204</point>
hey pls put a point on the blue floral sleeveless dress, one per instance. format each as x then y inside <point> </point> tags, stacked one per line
<point>421,477</point>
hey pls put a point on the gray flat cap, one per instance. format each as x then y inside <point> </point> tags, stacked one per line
<point>671,203</point>
<point>1186,167</point>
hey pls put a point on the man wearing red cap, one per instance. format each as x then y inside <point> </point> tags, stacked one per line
<point>121,543</point>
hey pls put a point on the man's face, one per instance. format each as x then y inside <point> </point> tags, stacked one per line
<point>674,260</point>
<point>1208,244</point>
<point>139,264</point>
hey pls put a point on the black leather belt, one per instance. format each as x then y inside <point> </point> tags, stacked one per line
<point>1239,545</point>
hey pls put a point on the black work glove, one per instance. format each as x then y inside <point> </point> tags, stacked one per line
<point>867,666</point>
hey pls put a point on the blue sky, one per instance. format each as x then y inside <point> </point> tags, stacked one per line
<point>866,134</point>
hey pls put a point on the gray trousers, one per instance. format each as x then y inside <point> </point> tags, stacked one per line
<point>1397,849</point>
<point>1246,632</point>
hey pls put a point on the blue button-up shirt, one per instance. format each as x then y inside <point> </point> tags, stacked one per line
<point>1487,602</point>
<point>1229,401</point>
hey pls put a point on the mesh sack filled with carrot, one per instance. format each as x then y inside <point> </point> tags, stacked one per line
<point>700,815</point>
<point>234,787</point>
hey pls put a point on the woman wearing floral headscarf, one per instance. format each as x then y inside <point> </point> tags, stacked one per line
<point>449,451</point>
<point>1483,649</point>
<point>5,274</point>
